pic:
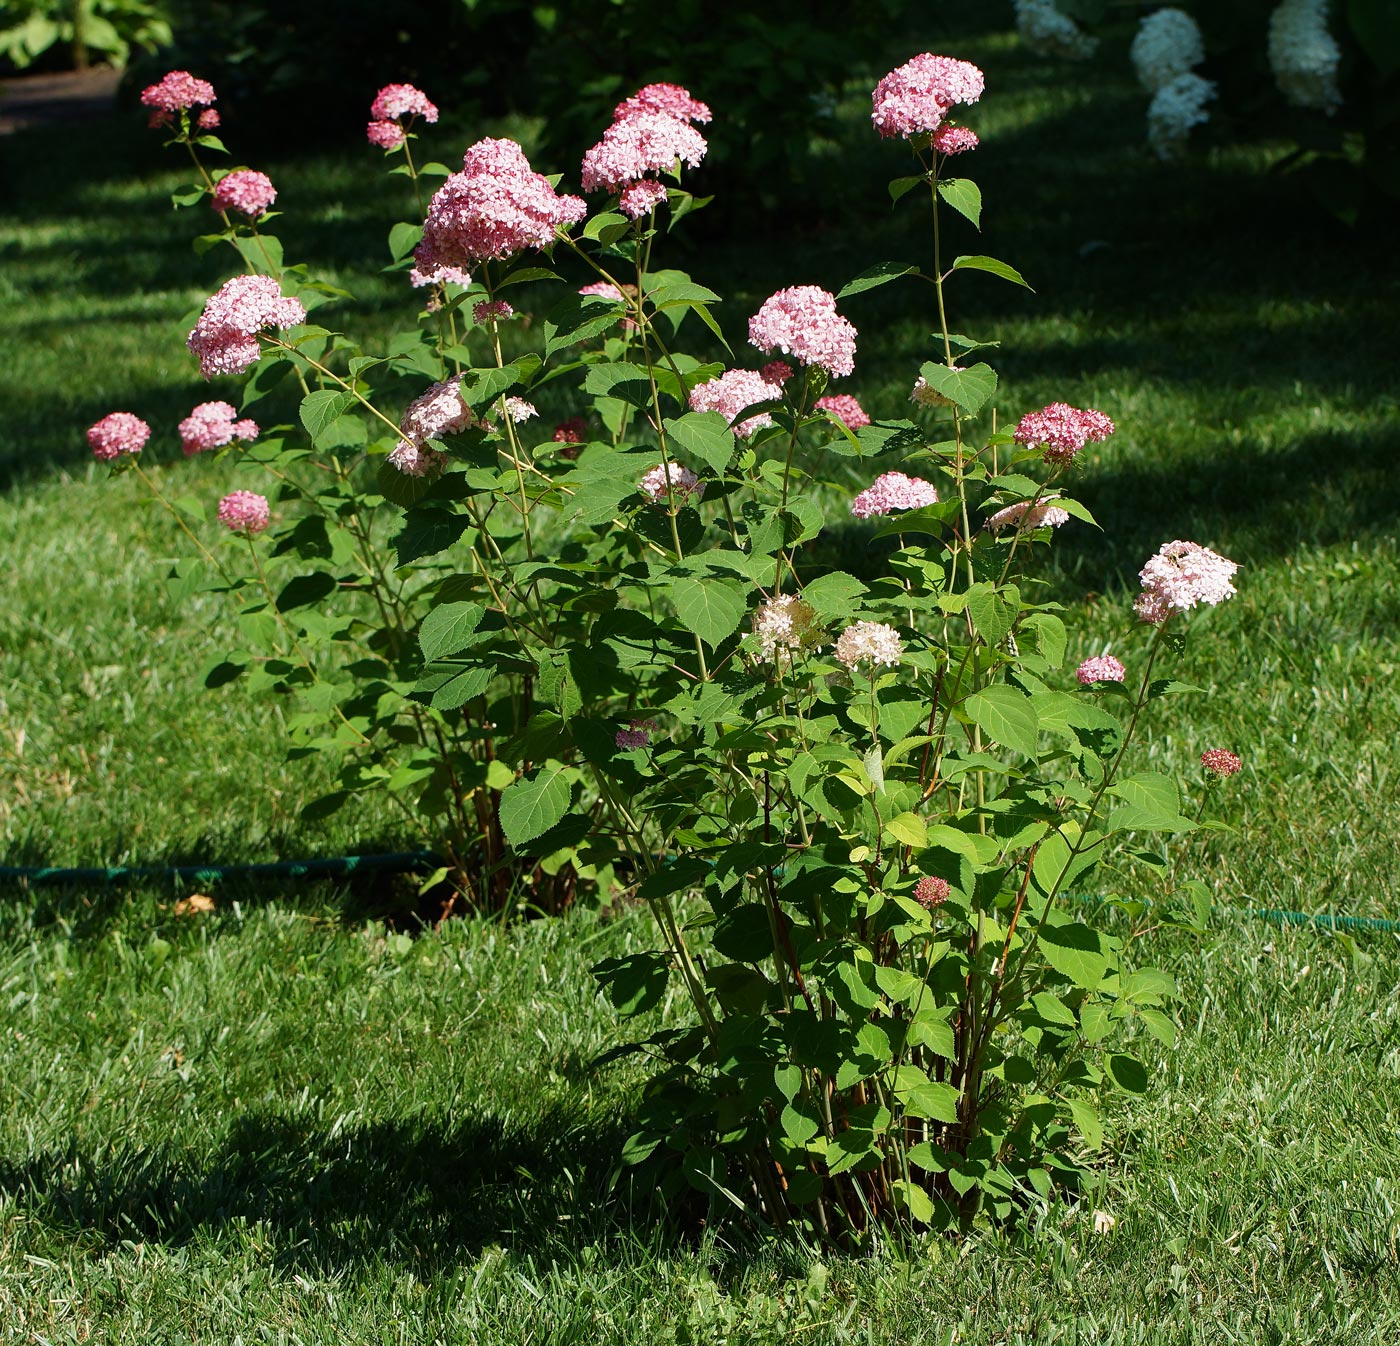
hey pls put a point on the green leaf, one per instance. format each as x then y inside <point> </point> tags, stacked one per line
<point>969,388</point>
<point>833,595</point>
<point>912,1201</point>
<point>993,611</point>
<point>908,829</point>
<point>937,1102</point>
<point>263,253</point>
<point>305,590</point>
<point>403,238</point>
<point>707,435</point>
<point>965,197</point>
<point>711,608</point>
<point>1170,687</point>
<point>635,982</point>
<point>1152,803</point>
<point>448,629</point>
<point>321,408</point>
<point>1128,1073</point>
<point>533,804</point>
<point>399,488</point>
<point>1075,951</point>
<point>1006,716</point>
<point>876,275</point>
<point>992,267</point>
<point>799,1126</point>
<point>900,186</point>
<point>426,532</point>
<point>1087,1120</point>
<point>576,318</point>
<point>1053,1010</point>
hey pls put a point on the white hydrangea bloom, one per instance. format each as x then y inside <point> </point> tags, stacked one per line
<point>1174,110</point>
<point>1168,44</point>
<point>1048,32</point>
<point>1304,56</point>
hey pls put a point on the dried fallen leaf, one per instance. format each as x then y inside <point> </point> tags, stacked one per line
<point>196,904</point>
<point>1104,1222</point>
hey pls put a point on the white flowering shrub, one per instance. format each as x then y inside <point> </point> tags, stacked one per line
<point>856,808</point>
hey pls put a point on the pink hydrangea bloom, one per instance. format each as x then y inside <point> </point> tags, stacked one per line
<point>601,289</point>
<point>177,91</point>
<point>402,100</point>
<point>684,483</point>
<point>116,433</point>
<point>244,190</point>
<point>671,100</point>
<point>1181,575</point>
<point>803,322</point>
<point>417,460</point>
<point>1219,762</point>
<point>1027,516</point>
<point>777,371</point>
<point>225,337</point>
<point>492,310</point>
<point>495,207</point>
<point>436,413</point>
<point>732,393</point>
<point>892,491</point>
<point>783,626</point>
<point>442,275</point>
<point>211,425</point>
<point>955,139</point>
<point>1101,668</point>
<point>570,431</point>
<point>869,642</point>
<point>244,512</point>
<point>209,119</point>
<point>931,891</point>
<point>386,135</point>
<point>846,410</point>
<point>1062,430</point>
<point>649,142</point>
<point>641,198</point>
<point>637,734</point>
<point>919,94</point>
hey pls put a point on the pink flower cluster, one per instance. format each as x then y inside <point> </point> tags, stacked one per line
<point>846,410</point>
<point>116,433</point>
<point>1062,430</point>
<point>869,642</point>
<point>802,322</point>
<point>225,337</point>
<point>416,460</point>
<point>1101,668</point>
<point>1219,762</point>
<point>931,891</point>
<point>442,275</point>
<point>637,734</point>
<point>244,512</point>
<point>918,95</point>
<point>385,135</point>
<point>651,132</point>
<point>955,139</point>
<point>492,310</point>
<point>495,207</point>
<point>683,483</point>
<point>892,491</point>
<point>777,371</point>
<point>244,190</point>
<point>785,625</point>
<point>732,393</point>
<point>391,104</point>
<point>1027,516</point>
<point>178,91</point>
<point>670,100</point>
<point>436,413</point>
<point>1181,575</point>
<point>211,425</point>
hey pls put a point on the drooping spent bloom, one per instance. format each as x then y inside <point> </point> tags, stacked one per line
<point>1049,32</point>
<point>776,371</point>
<point>1304,56</point>
<point>495,207</point>
<point>178,91</point>
<point>845,408</point>
<point>893,491</point>
<point>1219,762</point>
<point>519,410</point>
<point>955,139</point>
<point>1027,516</point>
<point>416,460</point>
<point>802,322</point>
<point>244,190</point>
<point>244,512</point>
<point>211,425</point>
<point>641,198</point>
<point>385,135</point>
<point>869,642</point>
<point>117,433</point>
<point>683,482</point>
<point>918,95</point>
<point>648,142</point>
<point>736,391</point>
<point>1168,43</point>
<point>637,734</point>
<point>436,413</point>
<point>570,431</point>
<point>225,337</point>
<point>1175,108</point>
<point>1181,575</point>
<point>492,310</point>
<point>1101,668</point>
<point>783,626</point>
<point>671,100</point>
<point>395,101</point>
<point>931,891</point>
<point>1062,431</point>
<point>926,395</point>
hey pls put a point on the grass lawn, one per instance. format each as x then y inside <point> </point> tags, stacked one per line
<point>284,1122</point>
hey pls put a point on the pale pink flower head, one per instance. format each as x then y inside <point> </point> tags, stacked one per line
<point>395,101</point>
<point>803,322</point>
<point>245,430</point>
<point>495,207</point>
<point>955,139</point>
<point>244,512</point>
<point>117,433</point>
<point>649,142</point>
<point>918,95</point>
<point>785,625</point>
<point>177,91</point>
<point>601,289</point>
<point>641,198</point>
<point>1219,762</point>
<point>442,275</point>
<point>931,891</point>
<point>211,425</point>
<point>1062,431</point>
<point>845,408</point>
<point>244,190</point>
<point>1027,516</point>
<point>492,310</point>
<point>871,643</point>
<point>417,460</point>
<point>734,392</point>
<point>385,135</point>
<point>637,734</point>
<point>209,119</point>
<point>683,482</point>
<point>893,491</point>
<point>1101,668</point>
<point>436,413</point>
<point>519,410</point>
<point>225,337</point>
<point>1181,575</point>
<point>670,100</point>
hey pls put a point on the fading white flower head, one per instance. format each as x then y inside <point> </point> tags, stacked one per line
<point>1168,44</point>
<point>869,642</point>
<point>1304,56</point>
<point>518,409</point>
<point>1026,516</point>
<point>783,626</point>
<point>1174,110</point>
<point>682,481</point>
<point>1048,32</point>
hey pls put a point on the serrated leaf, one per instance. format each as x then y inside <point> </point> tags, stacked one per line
<point>576,318</point>
<point>1087,1121</point>
<point>965,197</point>
<point>908,829</point>
<point>992,267</point>
<point>970,388</point>
<point>993,611</point>
<point>1128,1073</point>
<point>711,608</point>
<point>426,532</point>
<point>532,805</point>
<point>876,275</point>
<point>1006,716</point>
<point>1075,951</point>
<point>635,982</point>
<point>707,435</point>
<point>934,1101</point>
<point>403,238</point>
<point>799,1126</point>
<point>901,186</point>
<point>448,629</point>
<point>323,407</point>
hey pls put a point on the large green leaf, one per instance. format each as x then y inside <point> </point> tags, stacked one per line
<point>426,532</point>
<point>1006,716</point>
<point>993,611</point>
<point>321,408</point>
<point>711,608</point>
<point>635,982</point>
<point>533,804</point>
<point>964,196</point>
<point>577,318</point>
<point>707,435</point>
<point>880,274</point>
<point>969,388</point>
<point>991,266</point>
<point>448,628</point>
<point>1076,951</point>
